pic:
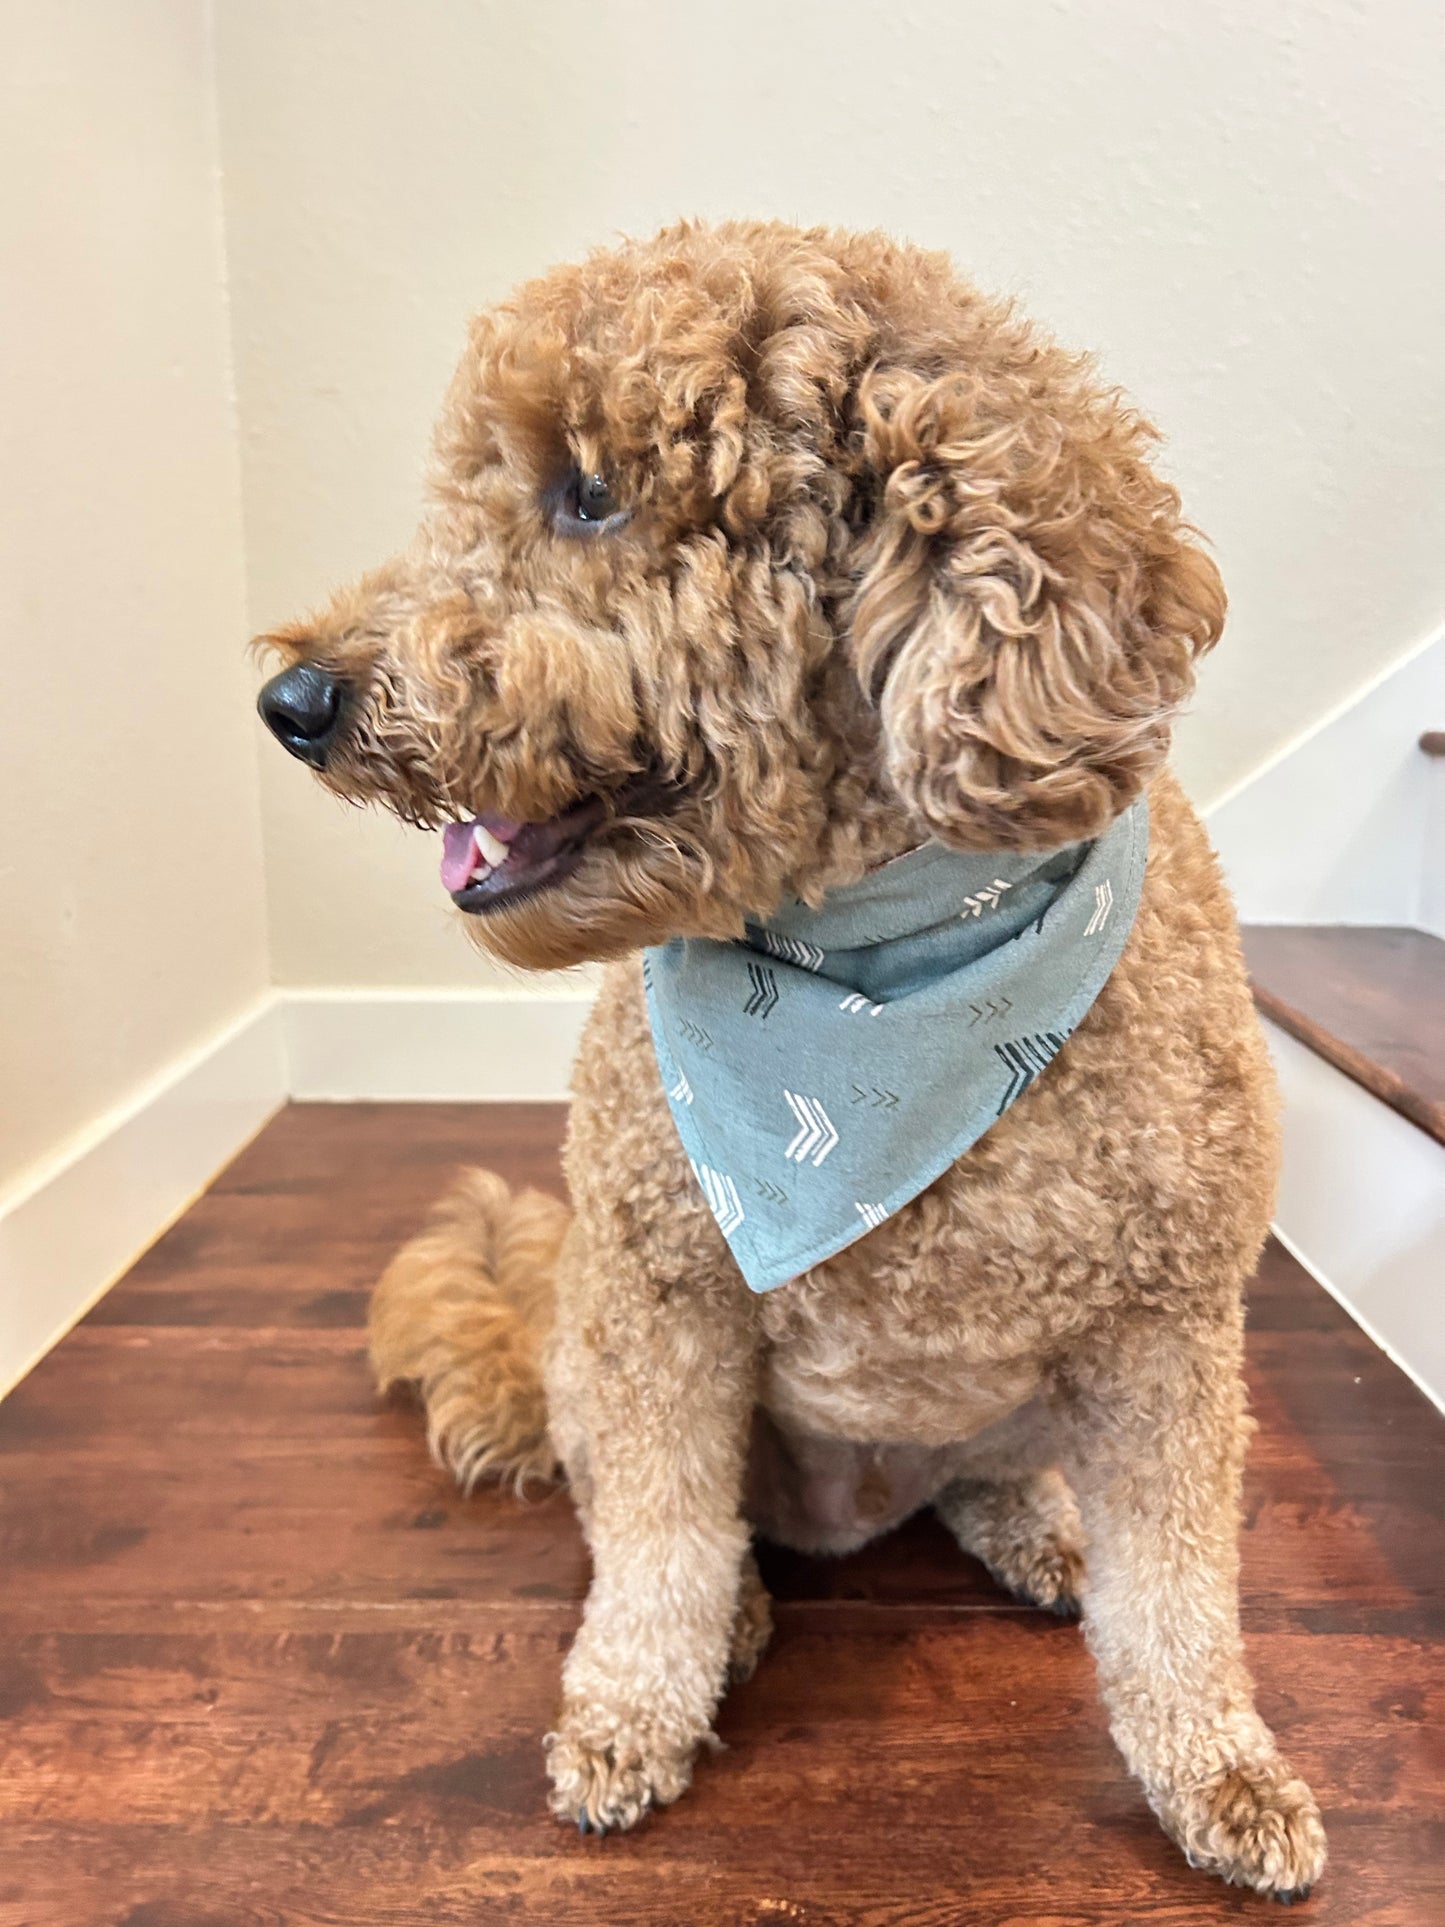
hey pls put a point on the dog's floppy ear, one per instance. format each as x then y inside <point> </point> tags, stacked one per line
<point>1029,605</point>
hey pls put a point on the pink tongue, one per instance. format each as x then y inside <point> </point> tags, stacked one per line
<point>459,855</point>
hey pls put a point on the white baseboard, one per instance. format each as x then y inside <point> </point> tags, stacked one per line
<point>1362,1206</point>
<point>424,1046</point>
<point>70,1228</point>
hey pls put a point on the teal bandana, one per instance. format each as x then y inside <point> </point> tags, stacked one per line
<point>828,1068</point>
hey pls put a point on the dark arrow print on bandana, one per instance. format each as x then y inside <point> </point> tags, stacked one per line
<point>1025,1057</point>
<point>765,992</point>
<point>695,1034</point>
<point>879,1100</point>
<point>774,1193</point>
<point>990,1009</point>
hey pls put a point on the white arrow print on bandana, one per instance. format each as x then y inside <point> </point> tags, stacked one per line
<point>722,1196</point>
<point>807,956</point>
<point>986,899</point>
<point>857,1002</point>
<point>816,1135</point>
<point>681,1092</point>
<point>871,1214</point>
<point>1103,904</point>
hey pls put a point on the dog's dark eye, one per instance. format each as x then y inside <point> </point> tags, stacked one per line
<point>588,503</point>
<point>594,499</point>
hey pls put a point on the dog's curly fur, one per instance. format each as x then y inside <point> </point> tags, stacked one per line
<point>892,566</point>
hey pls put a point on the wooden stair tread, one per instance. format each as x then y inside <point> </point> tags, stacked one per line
<point>1370,1001</point>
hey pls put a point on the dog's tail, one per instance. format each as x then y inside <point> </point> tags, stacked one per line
<point>462,1313</point>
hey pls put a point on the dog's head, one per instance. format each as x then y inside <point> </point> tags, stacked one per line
<point>754,556</point>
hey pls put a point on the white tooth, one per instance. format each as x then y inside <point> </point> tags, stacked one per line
<point>491,848</point>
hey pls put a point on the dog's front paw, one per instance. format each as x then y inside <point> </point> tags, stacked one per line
<point>606,1773</point>
<point>1257,1825</point>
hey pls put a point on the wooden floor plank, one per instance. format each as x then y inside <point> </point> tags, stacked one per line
<point>1371,1000</point>
<point>259,1663</point>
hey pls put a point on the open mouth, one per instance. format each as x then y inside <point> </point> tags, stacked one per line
<point>491,861</point>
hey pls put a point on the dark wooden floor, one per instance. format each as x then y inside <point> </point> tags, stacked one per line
<point>261,1665</point>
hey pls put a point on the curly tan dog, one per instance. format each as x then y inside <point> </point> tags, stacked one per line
<point>756,558</point>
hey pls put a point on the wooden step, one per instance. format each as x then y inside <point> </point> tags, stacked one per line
<point>1370,1001</point>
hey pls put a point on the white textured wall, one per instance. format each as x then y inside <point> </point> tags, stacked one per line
<point>1238,204</point>
<point>1432,891</point>
<point>131,905</point>
<point>1349,827</point>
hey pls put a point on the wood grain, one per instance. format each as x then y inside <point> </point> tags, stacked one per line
<point>261,1667</point>
<point>1370,1001</point>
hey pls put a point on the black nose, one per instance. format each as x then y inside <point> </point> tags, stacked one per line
<point>301,707</point>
